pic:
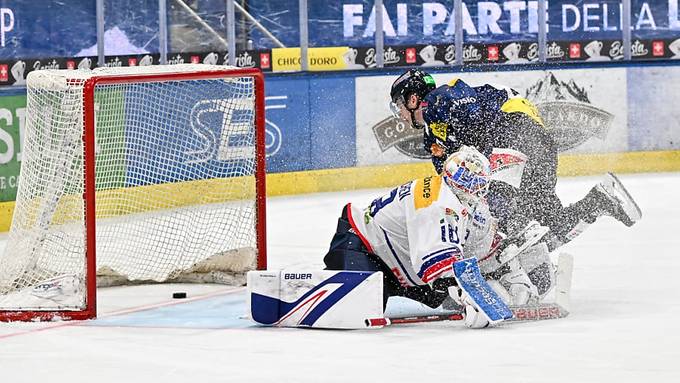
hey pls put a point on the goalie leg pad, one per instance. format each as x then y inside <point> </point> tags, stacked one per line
<point>538,266</point>
<point>318,298</point>
<point>347,253</point>
<point>565,266</point>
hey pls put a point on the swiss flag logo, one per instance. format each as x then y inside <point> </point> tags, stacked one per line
<point>4,72</point>
<point>195,59</point>
<point>492,53</point>
<point>410,55</point>
<point>574,50</point>
<point>264,60</point>
<point>657,48</point>
<point>70,64</point>
<point>132,61</point>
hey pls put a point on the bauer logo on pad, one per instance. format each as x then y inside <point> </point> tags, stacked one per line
<point>321,298</point>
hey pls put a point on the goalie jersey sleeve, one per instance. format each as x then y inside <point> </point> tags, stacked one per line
<point>420,228</point>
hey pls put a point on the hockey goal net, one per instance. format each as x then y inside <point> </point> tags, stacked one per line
<point>131,175</point>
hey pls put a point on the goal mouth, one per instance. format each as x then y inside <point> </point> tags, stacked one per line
<point>227,268</point>
<point>135,175</point>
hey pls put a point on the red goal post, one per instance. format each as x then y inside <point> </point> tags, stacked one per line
<point>146,173</point>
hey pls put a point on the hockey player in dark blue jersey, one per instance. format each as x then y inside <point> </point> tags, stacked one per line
<point>489,117</point>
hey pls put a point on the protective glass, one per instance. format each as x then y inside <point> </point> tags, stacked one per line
<point>395,107</point>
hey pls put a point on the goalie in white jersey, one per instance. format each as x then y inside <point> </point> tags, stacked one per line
<point>416,232</point>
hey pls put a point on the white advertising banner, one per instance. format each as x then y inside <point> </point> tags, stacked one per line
<point>586,109</point>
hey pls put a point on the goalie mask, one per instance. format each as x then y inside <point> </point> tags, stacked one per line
<point>468,172</point>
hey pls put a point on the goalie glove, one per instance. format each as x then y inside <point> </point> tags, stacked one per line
<point>503,250</point>
<point>474,318</point>
<point>518,284</point>
<point>529,236</point>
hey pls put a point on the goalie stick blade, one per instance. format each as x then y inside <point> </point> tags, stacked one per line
<point>541,311</point>
<point>524,313</point>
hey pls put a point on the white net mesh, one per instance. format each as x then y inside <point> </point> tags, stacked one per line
<point>175,165</point>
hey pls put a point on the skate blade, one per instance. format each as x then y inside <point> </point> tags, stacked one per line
<point>615,188</point>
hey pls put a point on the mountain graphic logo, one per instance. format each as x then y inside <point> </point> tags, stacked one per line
<point>567,112</point>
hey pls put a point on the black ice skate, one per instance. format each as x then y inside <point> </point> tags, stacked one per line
<point>613,199</point>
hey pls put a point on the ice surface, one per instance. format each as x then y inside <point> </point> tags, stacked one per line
<point>623,326</point>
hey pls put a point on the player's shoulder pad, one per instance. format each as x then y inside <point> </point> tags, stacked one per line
<point>426,191</point>
<point>447,98</point>
<point>504,88</point>
<point>458,88</point>
<point>523,106</point>
<point>436,113</point>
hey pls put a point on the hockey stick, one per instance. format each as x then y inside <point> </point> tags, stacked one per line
<point>381,322</point>
<point>541,311</point>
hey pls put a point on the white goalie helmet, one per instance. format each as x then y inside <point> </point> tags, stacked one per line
<point>467,172</point>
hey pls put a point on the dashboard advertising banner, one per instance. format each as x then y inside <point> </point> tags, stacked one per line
<point>33,35</point>
<point>653,122</point>
<point>309,125</point>
<point>318,59</point>
<point>500,31</point>
<point>586,111</point>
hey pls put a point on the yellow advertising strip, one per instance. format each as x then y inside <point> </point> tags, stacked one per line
<point>318,59</point>
<point>628,162</point>
<point>173,195</point>
<point>140,199</point>
<point>329,180</point>
<point>367,177</point>
<point>6,212</point>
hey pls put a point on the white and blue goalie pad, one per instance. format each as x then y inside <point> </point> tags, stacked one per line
<point>470,279</point>
<point>319,298</point>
